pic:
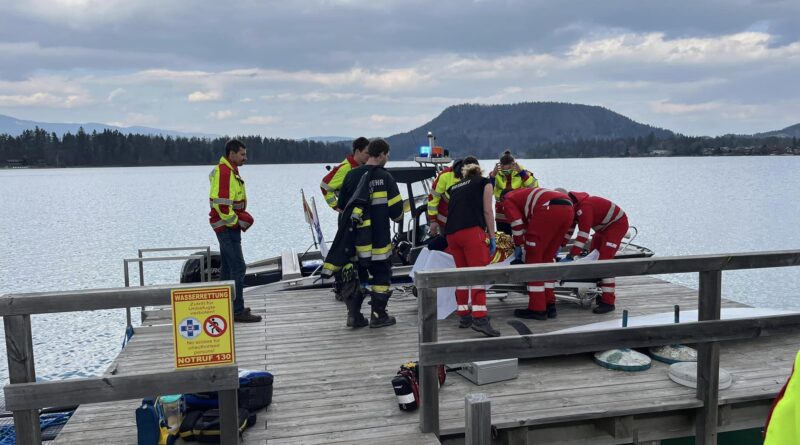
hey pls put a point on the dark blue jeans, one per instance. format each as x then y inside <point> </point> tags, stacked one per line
<point>233,265</point>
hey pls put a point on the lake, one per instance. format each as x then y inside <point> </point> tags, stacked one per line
<point>70,228</point>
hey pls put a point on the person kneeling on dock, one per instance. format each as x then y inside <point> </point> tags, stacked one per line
<point>610,224</point>
<point>470,227</point>
<point>369,198</point>
<point>539,219</point>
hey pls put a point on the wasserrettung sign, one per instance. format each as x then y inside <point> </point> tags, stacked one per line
<point>202,327</point>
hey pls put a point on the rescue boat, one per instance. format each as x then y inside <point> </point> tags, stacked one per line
<point>294,270</point>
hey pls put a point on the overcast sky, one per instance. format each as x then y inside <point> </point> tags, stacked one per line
<point>295,68</point>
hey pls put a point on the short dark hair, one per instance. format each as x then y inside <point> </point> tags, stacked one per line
<point>377,148</point>
<point>233,146</point>
<point>360,144</point>
<point>471,160</point>
<point>459,164</point>
<point>507,158</point>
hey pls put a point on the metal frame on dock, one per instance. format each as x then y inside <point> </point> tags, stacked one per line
<point>705,333</point>
<point>25,396</point>
<point>205,272</point>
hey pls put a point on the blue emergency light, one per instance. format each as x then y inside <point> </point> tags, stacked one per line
<point>424,151</point>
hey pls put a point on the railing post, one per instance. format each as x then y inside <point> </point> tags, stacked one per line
<point>128,320</point>
<point>429,375</point>
<point>21,369</point>
<point>229,416</point>
<point>141,280</point>
<point>478,421</point>
<point>709,308</point>
<point>141,270</point>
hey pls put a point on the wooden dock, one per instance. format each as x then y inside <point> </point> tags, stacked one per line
<point>332,384</point>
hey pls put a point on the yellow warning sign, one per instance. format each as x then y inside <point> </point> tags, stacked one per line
<point>202,327</point>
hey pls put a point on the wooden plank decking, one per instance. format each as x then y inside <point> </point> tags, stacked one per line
<point>332,384</point>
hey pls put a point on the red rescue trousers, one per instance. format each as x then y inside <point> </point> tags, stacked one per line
<point>607,243</point>
<point>469,249</point>
<point>543,235</point>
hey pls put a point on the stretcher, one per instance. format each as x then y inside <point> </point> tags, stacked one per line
<point>581,292</point>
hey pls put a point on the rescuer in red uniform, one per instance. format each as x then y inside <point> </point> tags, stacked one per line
<point>610,224</point>
<point>539,219</point>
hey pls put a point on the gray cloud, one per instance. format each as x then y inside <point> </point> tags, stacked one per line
<point>322,67</point>
<point>334,35</point>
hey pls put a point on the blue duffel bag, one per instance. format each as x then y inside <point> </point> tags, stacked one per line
<point>255,392</point>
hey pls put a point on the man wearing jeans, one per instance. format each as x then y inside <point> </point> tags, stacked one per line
<point>229,218</point>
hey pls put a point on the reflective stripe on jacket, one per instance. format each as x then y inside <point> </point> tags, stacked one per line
<point>438,198</point>
<point>521,205</point>
<point>228,198</point>
<point>332,182</point>
<point>591,212</point>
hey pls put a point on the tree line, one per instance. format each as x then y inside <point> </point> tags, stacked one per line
<point>676,145</point>
<point>37,147</point>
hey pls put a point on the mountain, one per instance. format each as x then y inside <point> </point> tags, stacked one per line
<point>487,130</point>
<point>788,132</point>
<point>15,127</point>
<point>328,139</point>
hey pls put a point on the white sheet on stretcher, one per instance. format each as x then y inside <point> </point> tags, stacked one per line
<point>437,260</point>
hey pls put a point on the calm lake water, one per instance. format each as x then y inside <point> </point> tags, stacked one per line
<point>70,228</point>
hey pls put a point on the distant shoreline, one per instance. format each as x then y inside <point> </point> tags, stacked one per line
<point>52,167</point>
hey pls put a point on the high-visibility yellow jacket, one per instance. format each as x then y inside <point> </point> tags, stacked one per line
<point>505,183</point>
<point>228,198</point>
<point>783,424</point>
<point>332,182</point>
<point>438,198</point>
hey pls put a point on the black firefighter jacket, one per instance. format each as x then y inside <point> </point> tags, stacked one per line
<point>371,198</point>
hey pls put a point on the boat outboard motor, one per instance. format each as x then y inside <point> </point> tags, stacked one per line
<point>190,273</point>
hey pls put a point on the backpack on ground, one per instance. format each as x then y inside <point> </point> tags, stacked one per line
<point>203,425</point>
<point>406,385</point>
<point>255,392</point>
<point>150,427</point>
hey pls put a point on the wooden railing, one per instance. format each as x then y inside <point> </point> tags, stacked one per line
<point>25,396</point>
<point>706,333</point>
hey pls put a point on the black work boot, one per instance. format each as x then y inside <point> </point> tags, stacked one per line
<point>464,321</point>
<point>603,308</point>
<point>246,317</point>
<point>530,315</point>
<point>356,321</point>
<point>551,311</point>
<point>483,326</point>
<point>354,318</point>
<point>379,318</point>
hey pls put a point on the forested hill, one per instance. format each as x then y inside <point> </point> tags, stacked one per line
<point>788,132</point>
<point>530,130</point>
<point>486,130</point>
